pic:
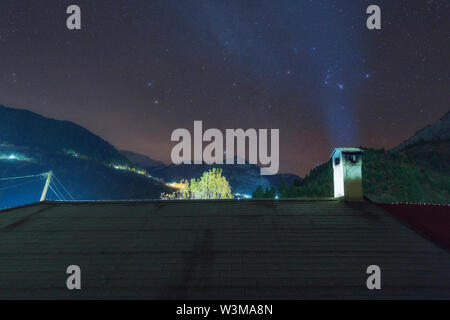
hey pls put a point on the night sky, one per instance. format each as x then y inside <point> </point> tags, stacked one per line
<point>140,69</point>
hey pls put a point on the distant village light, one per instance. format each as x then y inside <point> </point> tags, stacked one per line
<point>14,157</point>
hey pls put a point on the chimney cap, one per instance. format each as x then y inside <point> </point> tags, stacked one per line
<point>347,150</point>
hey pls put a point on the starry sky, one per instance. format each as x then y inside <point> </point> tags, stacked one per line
<point>140,69</point>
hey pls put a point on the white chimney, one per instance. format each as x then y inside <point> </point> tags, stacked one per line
<point>347,164</point>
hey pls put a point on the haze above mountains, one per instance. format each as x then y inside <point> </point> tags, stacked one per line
<point>243,178</point>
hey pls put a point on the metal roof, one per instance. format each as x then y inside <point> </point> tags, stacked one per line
<point>236,249</point>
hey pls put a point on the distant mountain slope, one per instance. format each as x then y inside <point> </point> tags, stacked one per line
<point>288,178</point>
<point>89,167</point>
<point>141,160</point>
<point>85,180</point>
<point>25,128</point>
<point>438,131</point>
<point>387,177</point>
<point>243,178</point>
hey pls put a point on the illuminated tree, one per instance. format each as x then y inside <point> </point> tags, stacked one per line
<point>211,185</point>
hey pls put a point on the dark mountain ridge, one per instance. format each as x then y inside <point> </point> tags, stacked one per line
<point>25,128</point>
<point>88,166</point>
<point>243,178</point>
<point>141,160</point>
<point>418,170</point>
<point>438,131</point>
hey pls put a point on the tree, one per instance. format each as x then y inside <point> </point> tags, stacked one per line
<point>270,193</point>
<point>258,193</point>
<point>283,189</point>
<point>211,185</point>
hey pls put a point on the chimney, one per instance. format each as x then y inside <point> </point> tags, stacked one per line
<point>347,163</point>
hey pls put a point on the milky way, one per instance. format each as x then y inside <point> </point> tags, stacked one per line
<point>140,69</point>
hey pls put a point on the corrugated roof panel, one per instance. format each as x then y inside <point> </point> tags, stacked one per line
<point>216,250</point>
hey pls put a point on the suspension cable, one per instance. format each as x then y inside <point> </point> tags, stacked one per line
<point>68,193</point>
<point>22,177</point>
<point>16,185</point>
<point>58,191</point>
<point>55,192</point>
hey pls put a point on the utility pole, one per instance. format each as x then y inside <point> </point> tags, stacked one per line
<point>47,184</point>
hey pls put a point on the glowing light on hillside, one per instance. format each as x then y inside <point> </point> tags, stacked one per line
<point>177,185</point>
<point>242,196</point>
<point>14,157</point>
<point>130,169</point>
<point>74,154</point>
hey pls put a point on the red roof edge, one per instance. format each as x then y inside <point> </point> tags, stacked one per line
<point>431,220</point>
